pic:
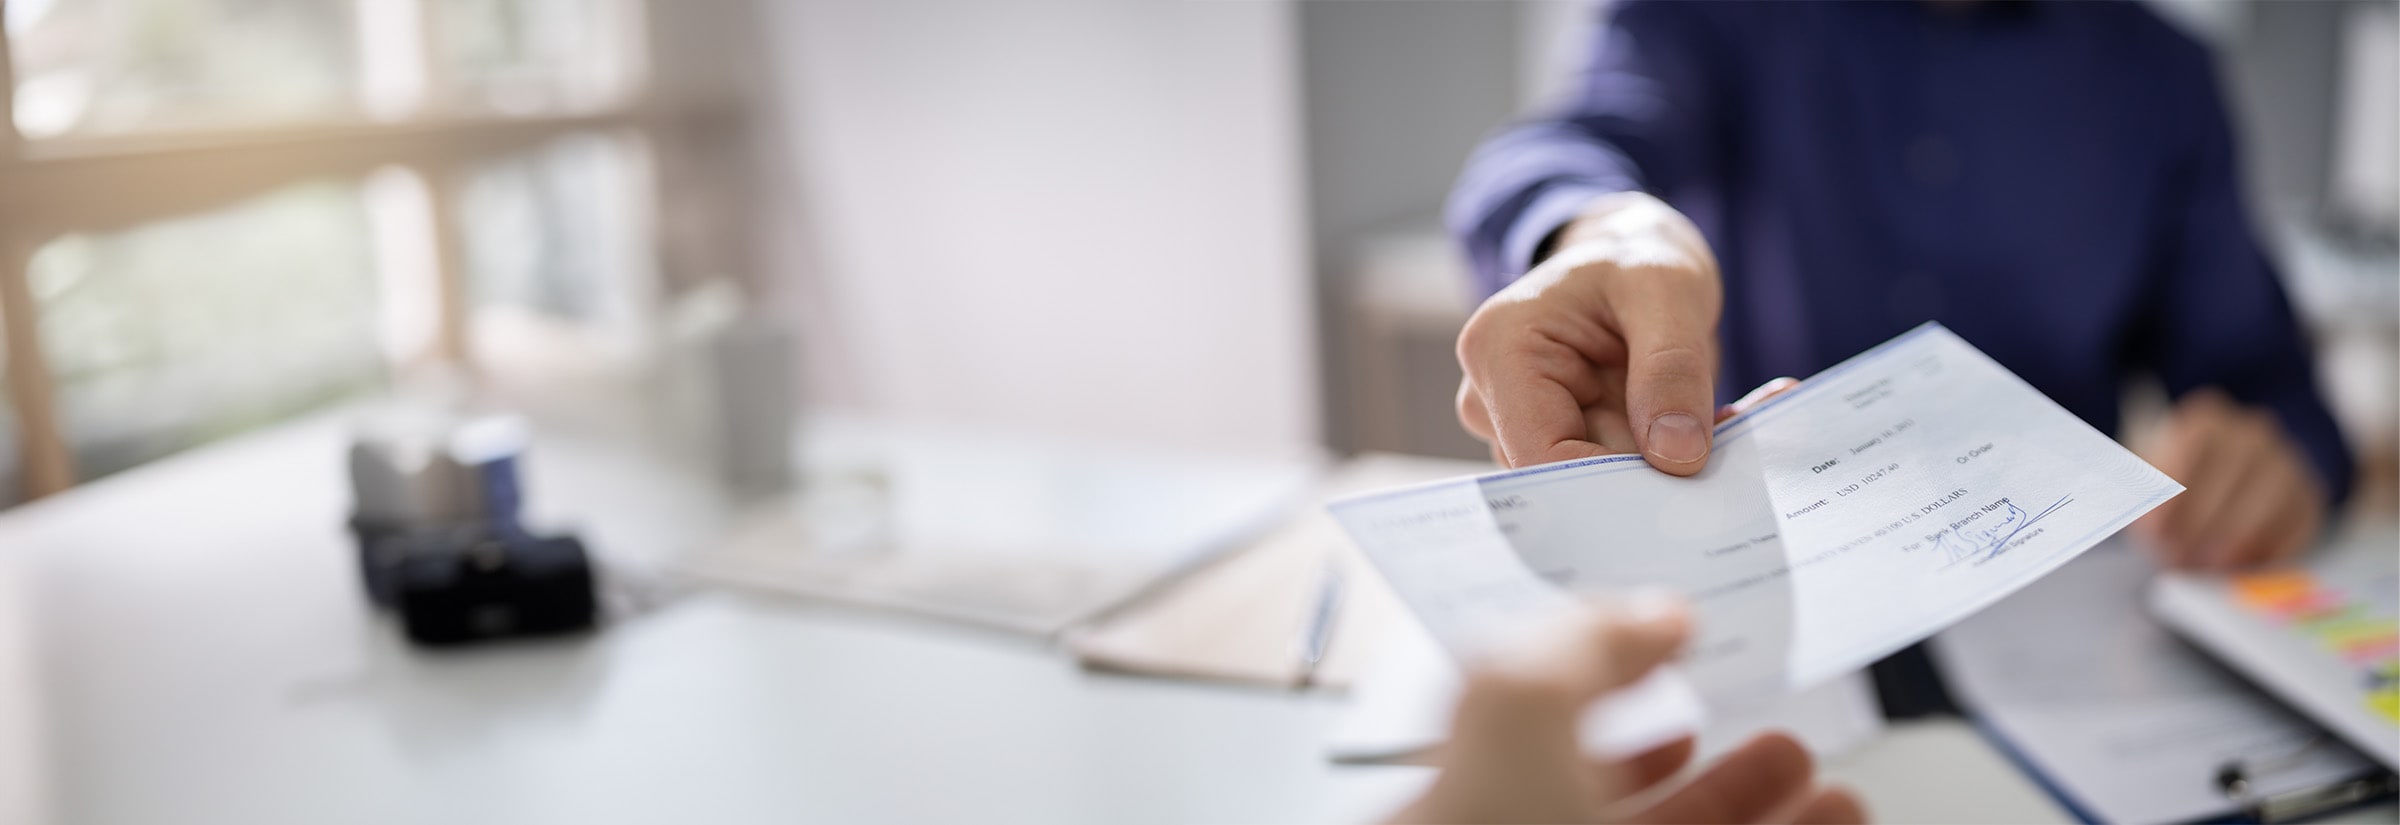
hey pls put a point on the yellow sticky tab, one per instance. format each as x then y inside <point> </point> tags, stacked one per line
<point>2386,703</point>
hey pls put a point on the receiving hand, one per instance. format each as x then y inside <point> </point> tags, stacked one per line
<point>1607,347</point>
<point>1513,756</point>
<point>2249,498</point>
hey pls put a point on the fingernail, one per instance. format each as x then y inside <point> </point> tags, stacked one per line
<point>1678,437</point>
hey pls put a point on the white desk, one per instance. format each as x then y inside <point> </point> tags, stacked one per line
<point>202,655</point>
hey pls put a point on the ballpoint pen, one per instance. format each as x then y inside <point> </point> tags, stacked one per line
<point>1316,632</point>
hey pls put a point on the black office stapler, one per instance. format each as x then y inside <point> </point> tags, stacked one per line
<point>439,542</point>
<point>450,592</point>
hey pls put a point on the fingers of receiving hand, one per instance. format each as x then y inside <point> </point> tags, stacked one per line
<point>1516,722</point>
<point>1669,321</point>
<point>1630,776</point>
<point>1549,679</point>
<point>1832,806</point>
<point>1622,641</point>
<point>1763,777</point>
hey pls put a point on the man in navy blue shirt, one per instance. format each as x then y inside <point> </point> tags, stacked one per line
<point>1738,191</point>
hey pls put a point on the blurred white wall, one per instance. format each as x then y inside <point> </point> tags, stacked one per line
<point>1396,95</point>
<point>1552,38</point>
<point>1075,216</point>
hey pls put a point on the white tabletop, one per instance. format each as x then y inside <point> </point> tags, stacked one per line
<point>200,653</point>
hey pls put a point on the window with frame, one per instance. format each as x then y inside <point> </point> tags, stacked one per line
<point>219,214</point>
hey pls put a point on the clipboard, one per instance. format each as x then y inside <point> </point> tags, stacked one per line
<point>2120,721</point>
<point>2233,779</point>
<point>2323,636</point>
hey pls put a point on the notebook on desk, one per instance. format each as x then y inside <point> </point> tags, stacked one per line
<point>2324,636</point>
<point>1299,606</point>
<point>1019,533</point>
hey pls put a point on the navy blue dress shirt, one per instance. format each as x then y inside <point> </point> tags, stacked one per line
<point>2056,182</point>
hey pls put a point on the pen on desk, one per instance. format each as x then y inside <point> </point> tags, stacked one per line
<point>1316,632</point>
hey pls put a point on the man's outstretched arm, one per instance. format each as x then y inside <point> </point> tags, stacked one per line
<point>1598,334</point>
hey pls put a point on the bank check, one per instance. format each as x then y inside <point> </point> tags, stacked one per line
<point>1874,504</point>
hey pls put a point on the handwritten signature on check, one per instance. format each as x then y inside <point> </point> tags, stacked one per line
<point>1990,538</point>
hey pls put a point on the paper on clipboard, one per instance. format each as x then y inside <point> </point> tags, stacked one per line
<point>2118,717</point>
<point>2324,635</point>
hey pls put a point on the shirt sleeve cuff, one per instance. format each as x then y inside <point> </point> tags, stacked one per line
<point>1557,204</point>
